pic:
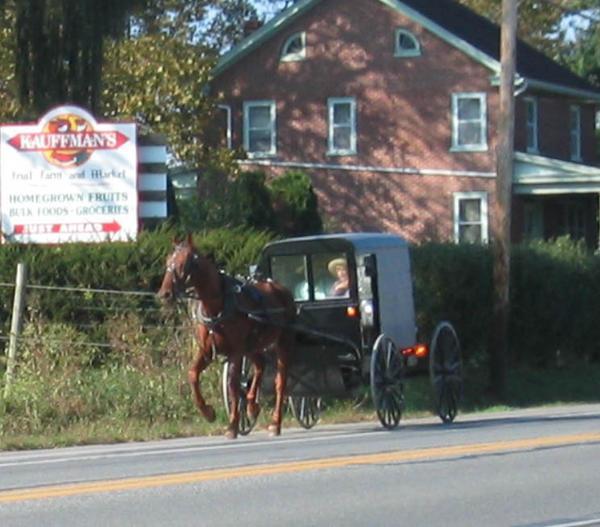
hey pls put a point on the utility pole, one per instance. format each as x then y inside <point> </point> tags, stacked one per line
<point>500,220</point>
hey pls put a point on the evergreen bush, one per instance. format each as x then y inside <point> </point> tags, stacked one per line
<point>295,204</point>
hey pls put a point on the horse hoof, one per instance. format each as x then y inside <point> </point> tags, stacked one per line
<point>209,414</point>
<point>274,431</point>
<point>231,434</point>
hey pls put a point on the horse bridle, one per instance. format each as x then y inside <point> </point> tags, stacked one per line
<point>182,284</point>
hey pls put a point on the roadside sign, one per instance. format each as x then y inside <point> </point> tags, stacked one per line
<point>68,178</point>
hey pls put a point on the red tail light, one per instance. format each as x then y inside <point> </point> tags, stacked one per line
<point>421,350</point>
<point>418,350</point>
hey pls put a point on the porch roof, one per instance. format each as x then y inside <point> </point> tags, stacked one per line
<point>536,174</point>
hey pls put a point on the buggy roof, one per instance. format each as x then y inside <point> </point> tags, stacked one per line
<point>361,241</point>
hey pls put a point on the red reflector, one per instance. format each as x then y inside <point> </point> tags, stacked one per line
<point>408,351</point>
<point>351,311</point>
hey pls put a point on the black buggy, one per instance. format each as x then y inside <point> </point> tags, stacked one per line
<point>363,334</point>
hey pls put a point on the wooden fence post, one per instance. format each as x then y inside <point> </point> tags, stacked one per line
<point>15,325</point>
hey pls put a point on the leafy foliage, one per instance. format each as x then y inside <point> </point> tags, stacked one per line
<point>296,204</point>
<point>286,205</point>
<point>159,82</point>
<point>539,23</point>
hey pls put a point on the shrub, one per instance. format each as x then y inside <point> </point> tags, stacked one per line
<point>295,204</point>
<point>453,282</point>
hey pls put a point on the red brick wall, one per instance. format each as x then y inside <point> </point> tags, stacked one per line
<point>403,116</point>
<point>403,104</point>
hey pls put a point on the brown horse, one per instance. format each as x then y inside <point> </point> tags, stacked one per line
<point>235,320</point>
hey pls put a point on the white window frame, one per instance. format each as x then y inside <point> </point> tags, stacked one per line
<point>532,124</point>
<point>331,126</point>
<point>248,105</point>
<point>227,109</point>
<point>483,199</point>
<point>287,56</point>
<point>482,120</point>
<point>575,132</point>
<point>401,52</point>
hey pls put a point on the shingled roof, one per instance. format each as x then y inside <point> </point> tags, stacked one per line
<point>484,35</point>
<point>453,22</point>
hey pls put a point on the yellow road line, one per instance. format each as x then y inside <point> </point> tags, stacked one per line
<point>59,491</point>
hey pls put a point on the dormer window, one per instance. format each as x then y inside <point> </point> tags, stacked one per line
<point>294,48</point>
<point>406,44</point>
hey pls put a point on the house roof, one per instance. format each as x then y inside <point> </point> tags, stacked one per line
<point>471,33</point>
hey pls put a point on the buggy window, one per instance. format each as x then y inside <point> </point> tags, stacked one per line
<point>316,277</point>
<point>291,272</point>
<point>330,275</point>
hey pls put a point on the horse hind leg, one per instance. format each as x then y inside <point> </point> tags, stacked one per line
<point>280,386</point>
<point>233,388</point>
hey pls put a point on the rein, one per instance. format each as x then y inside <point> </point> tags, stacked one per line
<point>230,291</point>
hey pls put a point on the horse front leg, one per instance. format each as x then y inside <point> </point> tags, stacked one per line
<point>253,408</point>
<point>201,361</point>
<point>233,387</point>
<point>280,385</point>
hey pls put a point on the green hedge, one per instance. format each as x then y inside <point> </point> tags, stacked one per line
<point>136,266</point>
<point>555,299</point>
<point>555,288</point>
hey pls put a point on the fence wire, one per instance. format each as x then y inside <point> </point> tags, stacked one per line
<point>95,315</point>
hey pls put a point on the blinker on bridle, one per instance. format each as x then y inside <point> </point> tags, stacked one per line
<point>181,283</point>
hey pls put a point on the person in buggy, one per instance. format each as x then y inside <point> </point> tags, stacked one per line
<point>338,268</point>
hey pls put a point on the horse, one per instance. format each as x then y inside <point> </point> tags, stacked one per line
<point>235,319</point>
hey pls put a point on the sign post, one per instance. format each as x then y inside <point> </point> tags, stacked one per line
<point>68,179</point>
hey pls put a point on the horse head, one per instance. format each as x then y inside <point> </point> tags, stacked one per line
<point>179,270</point>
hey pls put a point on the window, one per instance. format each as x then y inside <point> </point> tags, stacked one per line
<point>531,106</point>
<point>225,125</point>
<point>292,272</point>
<point>575,132</point>
<point>259,128</point>
<point>470,217</point>
<point>406,44</point>
<point>294,48</point>
<point>315,277</point>
<point>469,118</point>
<point>342,126</point>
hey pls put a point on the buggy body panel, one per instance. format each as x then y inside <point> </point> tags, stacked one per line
<point>334,337</point>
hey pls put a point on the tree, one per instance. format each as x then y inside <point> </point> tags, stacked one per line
<point>56,47</point>
<point>9,108</point>
<point>175,18</point>
<point>541,22</point>
<point>226,26</point>
<point>159,82</point>
<point>582,55</point>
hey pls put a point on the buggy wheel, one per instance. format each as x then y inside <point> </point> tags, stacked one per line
<point>386,381</point>
<point>445,370</point>
<point>246,423</point>
<point>306,410</point>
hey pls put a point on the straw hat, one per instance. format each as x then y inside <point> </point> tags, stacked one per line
<point>336,262</point>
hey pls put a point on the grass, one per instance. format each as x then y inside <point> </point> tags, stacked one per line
<point>118,405</point>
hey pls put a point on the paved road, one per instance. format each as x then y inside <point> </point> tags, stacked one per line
<point>528,468</point>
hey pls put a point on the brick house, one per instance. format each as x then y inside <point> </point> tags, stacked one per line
<point>391,107</point>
